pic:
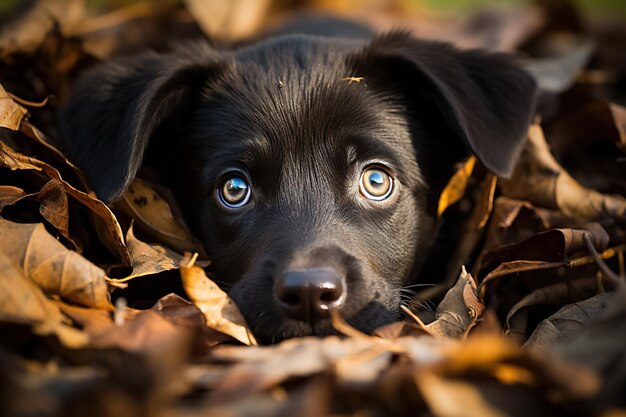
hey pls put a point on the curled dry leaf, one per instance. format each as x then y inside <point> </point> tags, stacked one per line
<point>219,310</point>
<point>57,270</point>
<point>540,179</point>
<point>147,259</point>
<point>154,215</point>
<point>106,224</point>
<point>22,301</point>
<point>10,195</point>
<point>459,310</point>
<point>556,294</point>
<point>570,320</point>
<point>556,245</point>
<point>11,113</point>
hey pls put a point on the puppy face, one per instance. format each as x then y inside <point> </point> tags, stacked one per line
<point>310,190</point>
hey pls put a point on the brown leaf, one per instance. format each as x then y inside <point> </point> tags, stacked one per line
<point>10,195</point>
<point>147,259</point>
<point>219,310</point>
<point>11,113</point>
<point>54,206</point>
<point>600,345</point>
<point>556,294</point>
<point>57,270</point>
<point>106,224</point>
<point>458,311</point>
<point>570,320</point>
<point>154,214</point>
<point>540,179</point>
<point>259,368</point>
<point>556,245</point>
<point>22,301</point>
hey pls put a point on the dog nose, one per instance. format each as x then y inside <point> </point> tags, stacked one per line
<point>309,294</point>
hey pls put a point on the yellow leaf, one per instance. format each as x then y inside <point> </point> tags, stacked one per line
<point>456,186</point>
<point>219,310</point>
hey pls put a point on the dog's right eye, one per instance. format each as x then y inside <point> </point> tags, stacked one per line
<point>234,192</point>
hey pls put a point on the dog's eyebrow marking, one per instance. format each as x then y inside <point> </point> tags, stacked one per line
<point>351,80</point>
<point>351,154</point>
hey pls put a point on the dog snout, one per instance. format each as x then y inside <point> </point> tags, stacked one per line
<point>309,294</point>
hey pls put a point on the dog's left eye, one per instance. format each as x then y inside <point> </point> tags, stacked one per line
<point>376,183</point>
<point>234,192</point>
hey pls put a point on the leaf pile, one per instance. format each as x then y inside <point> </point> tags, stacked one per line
<point>111,311</point>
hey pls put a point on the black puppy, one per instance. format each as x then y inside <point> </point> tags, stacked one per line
<point>309,166</point>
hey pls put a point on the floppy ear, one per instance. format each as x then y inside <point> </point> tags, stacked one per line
<point>484,100</point>
<point>116,109</point>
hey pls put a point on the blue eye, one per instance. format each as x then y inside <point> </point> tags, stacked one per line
<point>376,184</point>
<point>234,192</point>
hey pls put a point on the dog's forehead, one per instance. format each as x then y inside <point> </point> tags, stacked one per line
<point>301,107</point>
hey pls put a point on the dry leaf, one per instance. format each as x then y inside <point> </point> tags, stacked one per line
<point>458,311</point>
<point>154,214</point>
<point>57,270</point>
<point>22,301</point>
<point>219,310</point>
<point>570,320</point>
<point>556,294</point>
<point>107,224</point>
<point>540,179</point>
<point>10,195</point>
<point>146,259</point>
<point>11,113</point>
<point>456,186</point>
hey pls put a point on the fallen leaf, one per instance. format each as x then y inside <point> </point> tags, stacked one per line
<point>561,293</point>
<point>600,346</point>
<point>107,225</point>
<point>458,311</point>
<point>57,270</point>
<point>11,113</point>
<point>570,320</point>
<point>556,245</point>
<point>154,214</point>
<point>54,207</point>
<point>540,179</point>
<point>455,188</point>
<point>147,259</point>
<point>10,195</point>
<point>219,310</point>
<point>22,301</point>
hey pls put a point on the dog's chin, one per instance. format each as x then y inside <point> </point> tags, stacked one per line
<point>274,328</point>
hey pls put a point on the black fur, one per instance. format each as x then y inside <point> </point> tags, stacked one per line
<point>283,112</point>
